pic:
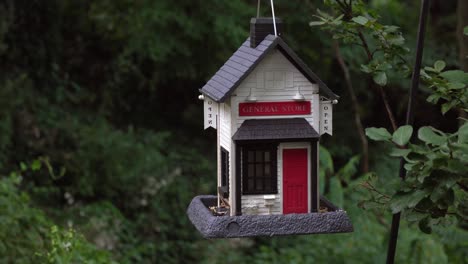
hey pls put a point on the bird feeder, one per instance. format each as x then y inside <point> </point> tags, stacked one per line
<point>270,110</point>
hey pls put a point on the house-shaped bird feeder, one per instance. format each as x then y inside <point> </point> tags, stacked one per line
<point>269,109</point>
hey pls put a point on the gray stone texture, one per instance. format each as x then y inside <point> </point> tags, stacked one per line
<point>211,226</point>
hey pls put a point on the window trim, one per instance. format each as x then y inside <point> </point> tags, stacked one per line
<point>273,149</point>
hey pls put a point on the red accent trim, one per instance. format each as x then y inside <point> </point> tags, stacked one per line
<point>275,108</point>
<point>294,181</point>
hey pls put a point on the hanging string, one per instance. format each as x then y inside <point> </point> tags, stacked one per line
<point>273,13</point>
<point>258,9</point>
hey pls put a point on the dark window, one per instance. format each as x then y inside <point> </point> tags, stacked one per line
<point>259,170</point>
<point>225,168</point>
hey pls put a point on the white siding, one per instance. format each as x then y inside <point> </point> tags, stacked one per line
<point>225,141</point>
<point>274,79</point>
<point>225,127</point>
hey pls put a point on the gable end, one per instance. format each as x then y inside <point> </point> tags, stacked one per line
<point>244,61</point>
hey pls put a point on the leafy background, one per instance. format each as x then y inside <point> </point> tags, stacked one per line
<point>102,146</point>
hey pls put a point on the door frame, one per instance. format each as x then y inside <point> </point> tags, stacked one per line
<point>294,145</point>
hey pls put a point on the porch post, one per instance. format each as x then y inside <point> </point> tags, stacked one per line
<point>314,183</point>
<point>238,171</point>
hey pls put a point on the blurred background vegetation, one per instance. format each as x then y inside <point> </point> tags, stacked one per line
<point>102,145</point>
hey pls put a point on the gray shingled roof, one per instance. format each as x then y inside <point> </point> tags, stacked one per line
<point>273,129</point>
<point>244,60</point>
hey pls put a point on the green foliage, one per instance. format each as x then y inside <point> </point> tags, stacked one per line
<point>66,246</point>
<point>98,114</point>
<point>427,251</point>
<point>402,135</point>
<point>447,85</point>
<point>336,192</point>
<point>378,134</point>
<point>435,180</point>
<point>433,190</point>
<point>22,228</point>
<point>25,234</point>
<point>353,22</point>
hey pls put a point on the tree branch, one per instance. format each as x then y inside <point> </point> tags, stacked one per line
<point>388,108</point>
<point>355,104</point>
<point>382,93</point>
<point>364,44</point>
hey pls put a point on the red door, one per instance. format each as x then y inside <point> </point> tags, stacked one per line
<point>294,181</point>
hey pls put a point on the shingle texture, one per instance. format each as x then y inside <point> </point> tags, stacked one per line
<point>210,226</point>
<point>244,60</point>
<point>272,129</point>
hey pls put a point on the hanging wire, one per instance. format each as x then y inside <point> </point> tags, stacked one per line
<point>409,119</point>
<point>258,8</point>
<point>273,13</point>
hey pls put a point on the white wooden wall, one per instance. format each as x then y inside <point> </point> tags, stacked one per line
<point>274,79</point>
<point>225,126</point>
<point>225,141</point>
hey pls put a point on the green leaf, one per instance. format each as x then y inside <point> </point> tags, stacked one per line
<point>430,69</point>
<point>455,166</point>
<point>323,14</point>
<point>416,197</point>
<point>456,85</point>
<point>360,20</point>
<point>336,192</point>
<point>427,135</point>
<point>322,180</point>
<point>378,134</point>
<point>316,23</point>
<point>23,166</point>
<point>399,202</point>
<point>396,152</point>
<point>414,216</point>
<point>438,193</point>
<point>380,78</point>
<point>390,29</point>
<point>326,161</point>
<point>465,30</point>
<point>455,76</point>
<point>463,133</point>
<point>425,225</point>
<point>402,135</point>
<point>419,149</point>
<point>349,169</point>
<point>365,68</point>
<point>36,165</point>
<point>402,200</point>
<point>338,19</point>
<point>439,65</point>
<point>433,98</point>
<point>447,106</point>
<point>398,40</point>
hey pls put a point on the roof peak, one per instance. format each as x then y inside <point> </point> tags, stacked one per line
<point>244,61</point>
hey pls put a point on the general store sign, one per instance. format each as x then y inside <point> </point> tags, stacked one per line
<point>275,108</point>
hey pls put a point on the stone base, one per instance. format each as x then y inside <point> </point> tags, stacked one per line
<point>210,226</point>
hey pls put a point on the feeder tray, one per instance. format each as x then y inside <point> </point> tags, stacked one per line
<point>334,220</point>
